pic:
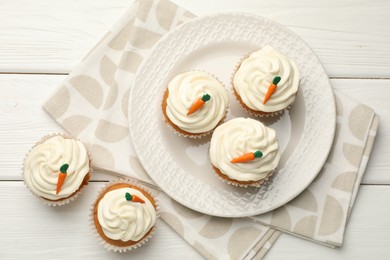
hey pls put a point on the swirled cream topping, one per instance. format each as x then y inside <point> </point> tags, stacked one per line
<point>43,163</point>
<point>255,74</point>
<point>240,136</point>
<point>125,220</point>
<point>184,90</point>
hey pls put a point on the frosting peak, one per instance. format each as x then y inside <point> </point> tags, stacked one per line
<point>184,90</point>
<point>123,219</point>
<point>238,137</point>
<point>255,74</point>
<point>43,165</point>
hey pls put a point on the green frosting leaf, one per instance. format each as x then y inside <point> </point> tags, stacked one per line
<point>64,168</point>
<point>206,97</point>
<point>128,196</point>
<point>258,154</point>
<point>276,80</point>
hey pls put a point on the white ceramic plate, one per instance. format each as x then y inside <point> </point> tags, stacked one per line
<point>180,166</point>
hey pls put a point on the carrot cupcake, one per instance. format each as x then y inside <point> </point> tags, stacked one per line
<point>56,169</point>
<point>266,82</point>
<point>244,152</point>
<point>194,103</point>
<point>124,216</point>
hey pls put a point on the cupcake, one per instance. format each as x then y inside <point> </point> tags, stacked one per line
<point>194,103</point>
<point>244,152</point>
<point>266,82</point>
<point>56,169</point>
<point>124,216</point>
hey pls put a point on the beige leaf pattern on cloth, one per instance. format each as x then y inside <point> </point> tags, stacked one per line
<point>111,97</point>
<point>164,13</point>
<point>203,251</point>
<point>359,121</point>
<point>173,221</point>
<point>142,38</point>
<point>131,61</point>
<point>185,212</point>
<point>353,154</point>
<point>125,103</point>
<point>344,181</point>
<point>240,239</point>
<point>306,226</point>
<point>306,200</point>
<point>332,217</point>
<point>144,10</point>
<point>107,70</point>
<point>100,154</point>
<point>76,124</point>
<point>89,88</point>
<point>281,218</point>
<point>58,104</point>
<point>188,14</point>
<point>216,227</point>
<point>109,132</point>
<point>120,40</point>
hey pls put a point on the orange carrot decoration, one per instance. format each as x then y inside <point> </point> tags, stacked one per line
<point>247,157</point>
<point>198,104</point>
<point>61,177</point>
<point>133,198</point>
<point>271,89</point>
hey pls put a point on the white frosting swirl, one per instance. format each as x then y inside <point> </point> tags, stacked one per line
<point>240,136</point>
<point>187,87</point>
<point>255,74</point>
<point>43,163</point>
<point>125,220</point>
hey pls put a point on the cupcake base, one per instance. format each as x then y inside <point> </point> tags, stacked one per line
<point>243,184</point>
<point>66,200</point>
<point>256,112</point>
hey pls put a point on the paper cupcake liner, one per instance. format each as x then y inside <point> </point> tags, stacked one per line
<point>252,113</point>
<point>62,201</point>
<point>236,183</point>
<point>194,136</point>
<point>104,243</point>
<point>200,135</point>
<point>266,114</point>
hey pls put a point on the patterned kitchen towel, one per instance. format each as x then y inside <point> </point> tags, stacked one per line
<point>92,102</point>
<point>92,105</point>
<point>321,212</point>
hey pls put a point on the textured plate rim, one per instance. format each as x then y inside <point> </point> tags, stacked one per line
<point>151,169</point>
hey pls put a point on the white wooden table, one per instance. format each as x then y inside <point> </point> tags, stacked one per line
<point>40,42</point>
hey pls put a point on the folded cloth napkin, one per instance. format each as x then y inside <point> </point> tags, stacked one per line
<point>92,104</point>
<point>320,213</point>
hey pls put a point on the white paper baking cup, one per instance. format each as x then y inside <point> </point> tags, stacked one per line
<point>257,184</point>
